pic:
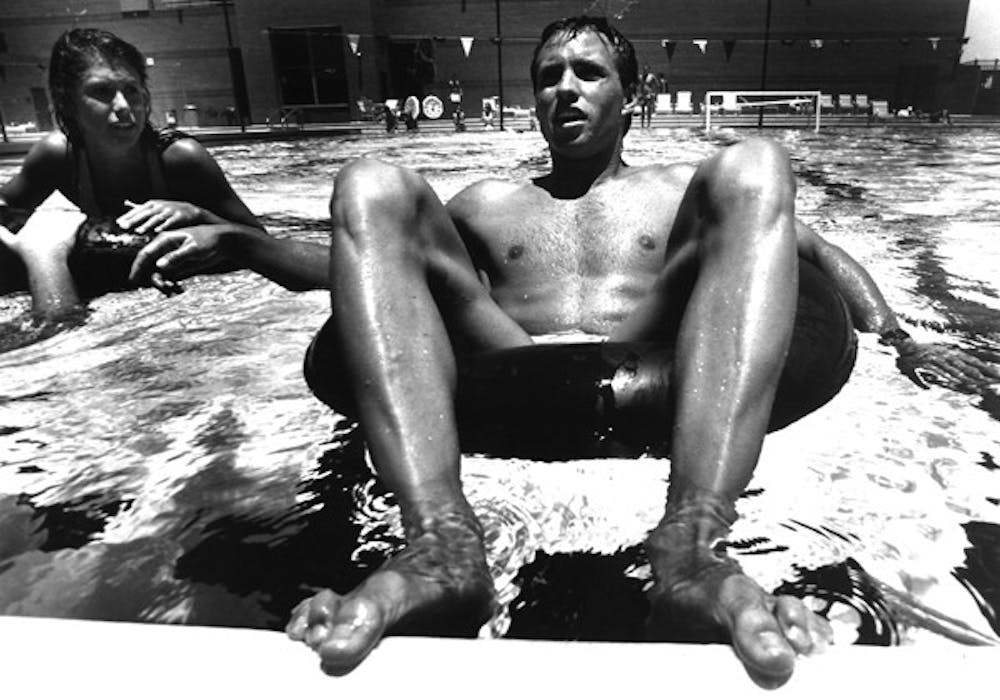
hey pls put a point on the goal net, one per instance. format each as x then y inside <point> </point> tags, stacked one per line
<point>778,107</point>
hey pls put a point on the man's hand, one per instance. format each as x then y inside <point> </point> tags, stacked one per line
<point>175,255</point>
<point>156,215</point>
<point>946,365</point>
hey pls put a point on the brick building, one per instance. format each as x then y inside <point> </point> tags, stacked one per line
<point>187,47</point>
<point>266,58</point>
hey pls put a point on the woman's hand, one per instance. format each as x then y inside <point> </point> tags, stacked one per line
<point>156,215</point>
<point>946,365</point>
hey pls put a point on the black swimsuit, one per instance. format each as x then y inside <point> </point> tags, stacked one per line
<point>102,257</point>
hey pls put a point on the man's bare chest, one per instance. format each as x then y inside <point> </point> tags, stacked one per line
<point>591,238</point>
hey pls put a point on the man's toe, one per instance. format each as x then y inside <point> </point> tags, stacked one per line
<point>354,631</point>
<point>805,631</point>
<point>763,648</point>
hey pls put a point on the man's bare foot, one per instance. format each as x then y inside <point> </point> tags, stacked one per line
<point>439,584</point>
<point>697,581</point>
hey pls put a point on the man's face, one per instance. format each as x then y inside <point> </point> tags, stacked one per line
<point>578,95</point>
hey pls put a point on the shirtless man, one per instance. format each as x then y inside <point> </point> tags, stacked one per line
<point>703,256</point>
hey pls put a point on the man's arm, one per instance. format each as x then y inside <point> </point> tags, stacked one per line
<point>921,362</point>
<point>869,309</point>
<point>181,253</point>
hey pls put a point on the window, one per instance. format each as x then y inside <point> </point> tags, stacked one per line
<point>135,8</point>
<point>310,65</point>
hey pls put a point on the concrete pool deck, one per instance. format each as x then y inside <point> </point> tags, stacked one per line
<point>87,659</point>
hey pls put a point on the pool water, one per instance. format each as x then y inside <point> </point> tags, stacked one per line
<point>164,461</point>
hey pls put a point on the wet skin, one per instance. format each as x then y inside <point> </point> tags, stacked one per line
<point>201,223</point>
<point>112,105</point>
<point>705,256</point>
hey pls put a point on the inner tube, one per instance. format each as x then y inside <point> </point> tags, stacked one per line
<point>102,256</point>
<point>100,260</point>
<point>607,399</point>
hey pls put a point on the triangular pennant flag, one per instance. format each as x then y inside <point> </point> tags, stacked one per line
<point>353,40</point>
<point>670,46</point>
<point>934,42</point>
<point>816,43</point>
<point>702,44</point>
<point>729,45</point>
<point>466,44</point>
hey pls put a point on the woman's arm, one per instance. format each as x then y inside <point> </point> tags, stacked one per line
<point>44,245</point>
<point>199,193</point>
<point>210,222</point>
<point>45,241</point>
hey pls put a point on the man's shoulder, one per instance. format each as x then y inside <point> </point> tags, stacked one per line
<point>657,175</point>
<point>493,188</point>
<point>661,171</point>
<point>488,194</point>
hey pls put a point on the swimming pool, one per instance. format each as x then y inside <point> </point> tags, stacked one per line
<point>164,462</point>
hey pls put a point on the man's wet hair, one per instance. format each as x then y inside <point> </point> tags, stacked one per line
<point>624,52</point>
<point>73,53</point>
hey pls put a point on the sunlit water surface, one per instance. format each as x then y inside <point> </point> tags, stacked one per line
<point>165,462</point>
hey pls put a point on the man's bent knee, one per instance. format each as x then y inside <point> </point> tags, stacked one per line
<point>369,185</point>
<point>756,168</point>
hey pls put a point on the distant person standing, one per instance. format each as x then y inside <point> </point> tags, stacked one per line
<point>664,87</point>
<point>649,87</point>
<point>455,93</point>
<point>488,114</point>
<point>391,119</point>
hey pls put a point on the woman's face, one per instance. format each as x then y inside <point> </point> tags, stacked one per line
<point>112,105</point>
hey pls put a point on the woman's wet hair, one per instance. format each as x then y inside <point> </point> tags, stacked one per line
<point>621,47</point>
<point>74,52</point>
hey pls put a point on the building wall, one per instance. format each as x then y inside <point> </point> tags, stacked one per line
<point>983,78</point>
<point>876,47</point>
<point>870,46</point>
<point>187,45</point>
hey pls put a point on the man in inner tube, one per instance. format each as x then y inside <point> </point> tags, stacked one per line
<point>702,258</point>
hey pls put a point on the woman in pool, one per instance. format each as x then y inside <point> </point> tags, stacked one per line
<point>161,188</point>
